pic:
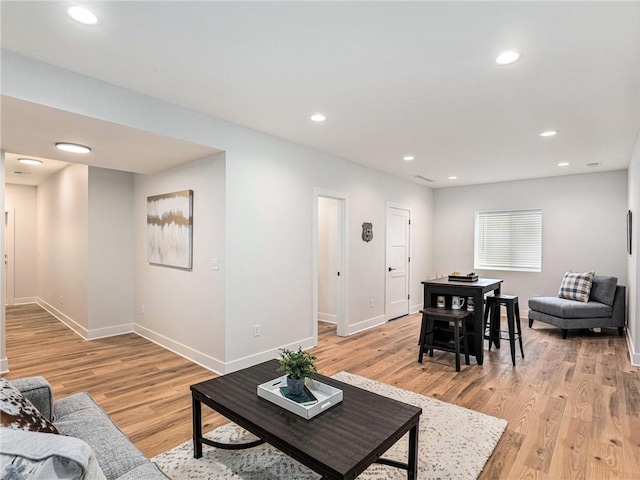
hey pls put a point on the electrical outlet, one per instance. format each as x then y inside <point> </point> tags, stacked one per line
<point>256,330</point>
<point>61,301</point>
<point>143,309</point>
<point>215,264</point>
<point>371,303</point>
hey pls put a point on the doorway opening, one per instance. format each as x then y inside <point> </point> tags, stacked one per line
<point>330,262</point>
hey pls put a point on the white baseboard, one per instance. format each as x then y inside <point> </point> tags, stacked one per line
<point>73,325</point>
<point>634,356</point>
<point>327,317</point>
<point>270,354</point>
<point>105,332</point>
<point>204,360</point>
<point>415,308</point>
<point>366,324</point>
<point>24,300</point>
<point>93,334</point>
<point>4,365</point>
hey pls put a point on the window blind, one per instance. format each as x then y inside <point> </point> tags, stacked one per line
<point>509,240</point>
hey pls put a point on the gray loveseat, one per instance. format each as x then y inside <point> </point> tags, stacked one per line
<point>81,417</point>
<point>605,308</point>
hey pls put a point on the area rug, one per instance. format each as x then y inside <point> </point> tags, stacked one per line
<point>454,443</point>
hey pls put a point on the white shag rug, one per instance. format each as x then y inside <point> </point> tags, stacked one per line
<point>454,443</point>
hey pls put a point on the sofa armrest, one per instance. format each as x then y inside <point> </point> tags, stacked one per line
<point>39,392</point>
<point>619,315</point>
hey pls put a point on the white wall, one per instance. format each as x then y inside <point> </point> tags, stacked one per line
<point>268,222</point>
<point>110,252</point>
<point>4,364</point>
<point>184,310</point>
<point>583,228</point>
<point>270,187</point>
<point>62,227</point>
<point>633,260</point>
<point>23,200</point>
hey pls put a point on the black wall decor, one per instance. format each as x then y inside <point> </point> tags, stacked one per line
<point>629,233</point>
<point>367,232</point>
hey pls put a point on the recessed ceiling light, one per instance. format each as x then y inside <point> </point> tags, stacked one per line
<point>72,147</point>
<point>507,57</point>
<point>82,15</point>
<point>563,164</point>
<point>453,177</point>
<point>408,158</point>
<point>548,133</point>
<point>318,117</point>
<point>30,161</point>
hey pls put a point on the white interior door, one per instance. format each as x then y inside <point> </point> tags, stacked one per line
<point>397,274</point>
<point>329,259</point>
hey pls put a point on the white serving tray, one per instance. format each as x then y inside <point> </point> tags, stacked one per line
<point>327,396</point>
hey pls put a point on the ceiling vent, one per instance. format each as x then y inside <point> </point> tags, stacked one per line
<point>17,172</point>
<point>593,164</point>
<point>423,178</point>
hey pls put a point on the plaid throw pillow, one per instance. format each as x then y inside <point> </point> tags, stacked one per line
<point>576,286</point>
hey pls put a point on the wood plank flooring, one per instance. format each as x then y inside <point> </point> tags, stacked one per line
<point>573,405</point>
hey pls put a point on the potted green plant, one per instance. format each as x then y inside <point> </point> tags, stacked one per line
<point>298,366</point>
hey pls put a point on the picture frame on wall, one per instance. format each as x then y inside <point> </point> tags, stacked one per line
<point>170,229</point>
<point>629,222</point>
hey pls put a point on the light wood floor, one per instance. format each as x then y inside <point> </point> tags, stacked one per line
<point>573,405</point>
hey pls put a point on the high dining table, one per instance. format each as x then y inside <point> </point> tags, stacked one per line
<point>476,289</point>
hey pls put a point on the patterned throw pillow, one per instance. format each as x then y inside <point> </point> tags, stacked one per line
<point>576,286</point>
<point>18,413</point>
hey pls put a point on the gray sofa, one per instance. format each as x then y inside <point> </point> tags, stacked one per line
<point>571,314</point>
<point>81,417</point>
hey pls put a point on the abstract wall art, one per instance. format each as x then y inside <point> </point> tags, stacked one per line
<point>170,229</point>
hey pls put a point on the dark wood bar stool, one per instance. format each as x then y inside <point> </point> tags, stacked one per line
<point>493,333</point>
<point>438,325</point>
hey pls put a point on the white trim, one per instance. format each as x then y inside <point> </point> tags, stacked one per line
<point>10,240</point>
<point>367,324</point>
<point>80,330</point>
<point>415,308</point>
<point>25,300</point>
<point>114,331</point>
<point>270,354</point>
<point>4,365</point>
<point>634,356</point>
<point>199,358</point>
<point>72,324</point>
<point>343,305</point>
<point>328,317</point>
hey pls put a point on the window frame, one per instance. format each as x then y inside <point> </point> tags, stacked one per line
<point>533,254</point>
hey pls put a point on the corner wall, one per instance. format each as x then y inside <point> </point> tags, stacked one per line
<point>583,228</point>
<point>184,310</point>
<point>110,252</point>
<point>62,228</point>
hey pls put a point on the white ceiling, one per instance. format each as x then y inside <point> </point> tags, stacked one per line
<point>31,130</point>
<point>393,78</point>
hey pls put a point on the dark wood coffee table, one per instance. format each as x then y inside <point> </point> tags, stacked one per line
<point>339,443</point>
